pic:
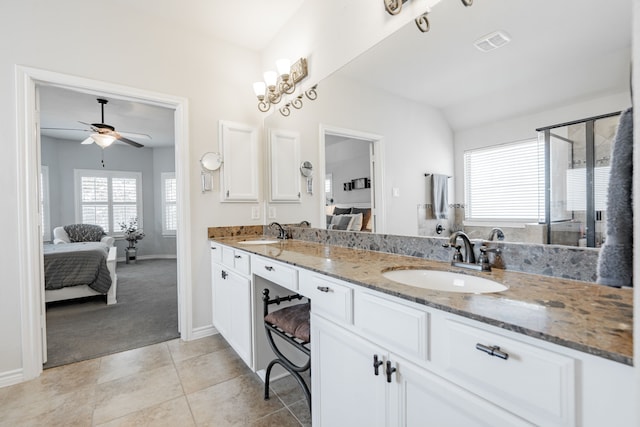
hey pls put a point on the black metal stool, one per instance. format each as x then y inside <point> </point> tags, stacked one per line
<point>291,324</point>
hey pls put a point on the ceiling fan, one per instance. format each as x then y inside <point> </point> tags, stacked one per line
<point>104,135</point>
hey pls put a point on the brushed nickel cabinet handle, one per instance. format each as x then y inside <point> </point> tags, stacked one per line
<point>492,351</point>
<point>268,268</point>
<point>324,288</point>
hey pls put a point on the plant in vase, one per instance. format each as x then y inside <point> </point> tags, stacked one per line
<point>131,232</point>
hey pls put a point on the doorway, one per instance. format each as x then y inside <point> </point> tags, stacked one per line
<point>30,243</point>
<point>352,173</point>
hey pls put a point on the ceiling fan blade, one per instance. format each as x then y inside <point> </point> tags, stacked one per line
<point>92,127</point>
<point>136,135</point>
<point>87,141</point>
<point>130,142</point>
<point>66,129</point>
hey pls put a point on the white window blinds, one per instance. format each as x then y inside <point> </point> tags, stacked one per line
<point>108,198</point>
<point>169,203</point>
<point>505,182</point>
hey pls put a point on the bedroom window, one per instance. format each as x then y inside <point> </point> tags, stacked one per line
<point>45,220</point>
<point>169,206</point>
<point>505,182</point>
<point>108,198</point>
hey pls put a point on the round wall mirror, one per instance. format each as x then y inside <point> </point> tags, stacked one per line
<point>306,169</point>
<point>211,161</point>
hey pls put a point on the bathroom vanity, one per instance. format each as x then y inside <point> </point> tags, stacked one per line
<point>545,351</point>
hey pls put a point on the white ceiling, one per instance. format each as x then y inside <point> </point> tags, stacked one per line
<point>561,51</point>
<point>246,23</point>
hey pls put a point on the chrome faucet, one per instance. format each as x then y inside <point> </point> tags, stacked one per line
<point>305,223</point>
<point>469,256</point>
<point>496,233</point>
<point>281,233</point>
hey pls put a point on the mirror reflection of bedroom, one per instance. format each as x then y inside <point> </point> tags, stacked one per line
<point>109,220</point>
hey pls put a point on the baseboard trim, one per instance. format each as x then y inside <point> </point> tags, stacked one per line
<point>11,377</point>
<point>143,257</point>
<point>203,331</point>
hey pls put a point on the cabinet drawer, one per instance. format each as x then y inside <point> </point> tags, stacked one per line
<point>236,260</point>
<point>276,272</point>
<point>216,252</point>
<point>532,382</point>
<point>394,325</point>
<point>328,297</point>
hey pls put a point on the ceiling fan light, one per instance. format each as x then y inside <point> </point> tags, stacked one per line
<point>103,140</point>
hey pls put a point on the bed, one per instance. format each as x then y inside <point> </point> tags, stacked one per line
<point>79,269</point>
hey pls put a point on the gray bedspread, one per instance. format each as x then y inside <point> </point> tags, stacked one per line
<point>72,264</point>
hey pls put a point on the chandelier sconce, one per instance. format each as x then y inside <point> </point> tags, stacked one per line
<point>393,7</point>
<point>296,103</point>
<point>277,84</point>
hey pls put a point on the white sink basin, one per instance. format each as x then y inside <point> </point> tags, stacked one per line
<point>444,281</point>
<point>258,242</point>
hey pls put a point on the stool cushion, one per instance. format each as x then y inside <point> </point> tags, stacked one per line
<point>294,320</point>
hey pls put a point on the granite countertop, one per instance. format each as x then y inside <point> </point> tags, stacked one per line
<point>583,316</point>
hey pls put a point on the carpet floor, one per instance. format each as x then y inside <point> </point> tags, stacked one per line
<point>146,313</point>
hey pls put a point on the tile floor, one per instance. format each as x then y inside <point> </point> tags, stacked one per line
<point>196,383</point>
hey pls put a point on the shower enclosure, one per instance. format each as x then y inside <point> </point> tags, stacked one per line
<point>577,155</point>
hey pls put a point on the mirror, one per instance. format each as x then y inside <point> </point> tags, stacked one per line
<point>306,169</point>
<point>211,161</point>
<point>433,96</point>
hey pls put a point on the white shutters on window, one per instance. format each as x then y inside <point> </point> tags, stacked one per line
<point>108,198</point>
<point>169,199</point>
<point>505,182</point>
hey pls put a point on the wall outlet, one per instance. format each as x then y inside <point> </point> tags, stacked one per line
<point>255,212</point>
<point>272,212</point>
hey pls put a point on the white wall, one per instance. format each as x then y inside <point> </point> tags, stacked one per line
<point>65,37</point>
<point>417,140</point>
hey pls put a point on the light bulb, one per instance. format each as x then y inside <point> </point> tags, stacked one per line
<point>259,88</point>
<point>270,78</point>
<point>284,67</point>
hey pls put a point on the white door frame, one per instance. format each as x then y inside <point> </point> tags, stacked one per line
<point>29,244</point>
<point>377,168</point>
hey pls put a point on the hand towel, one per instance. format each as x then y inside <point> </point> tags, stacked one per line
<point>439,192</point>
<point>615,263</point>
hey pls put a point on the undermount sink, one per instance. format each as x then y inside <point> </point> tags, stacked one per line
<point>258,242</point>
<point>444,281</point>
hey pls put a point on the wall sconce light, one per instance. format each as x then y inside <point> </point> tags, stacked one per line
<point>277,84</point>
<point>296,103</point>
<point>393,7</point>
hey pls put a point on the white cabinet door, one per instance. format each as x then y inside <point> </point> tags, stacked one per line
<point>240,166</point>
<point>345,391</point>
<point>239,301</point>
<point>422,399</point>
<point>232,309</point>
<point>221,307</point>
<point>284,161</point>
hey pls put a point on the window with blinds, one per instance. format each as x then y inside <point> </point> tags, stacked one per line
<point>505,182</point>
<point>108,198</point>
<point>169,203</point>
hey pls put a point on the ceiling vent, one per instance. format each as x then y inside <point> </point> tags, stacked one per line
<point>492,41</point>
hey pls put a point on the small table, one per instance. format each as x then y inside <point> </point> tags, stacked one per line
<point>130,255</point>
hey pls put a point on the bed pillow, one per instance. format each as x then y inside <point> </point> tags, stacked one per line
<point>356,222</point>
<point>341,222</point>
<point>366,216</point>
<point>329,219</point>
<point>341,211</point>
<point>84,232</point>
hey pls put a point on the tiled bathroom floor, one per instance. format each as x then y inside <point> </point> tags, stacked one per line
<point>196,383</point>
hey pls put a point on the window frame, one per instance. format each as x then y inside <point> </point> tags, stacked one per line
<point>45,207</point>
<point>78,174</point>
<point>164,176</point>
<point>509,220</point>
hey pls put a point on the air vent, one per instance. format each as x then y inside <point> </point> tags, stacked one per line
<point>492,41</point>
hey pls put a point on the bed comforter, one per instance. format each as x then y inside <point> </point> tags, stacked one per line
<point>72,264</point>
